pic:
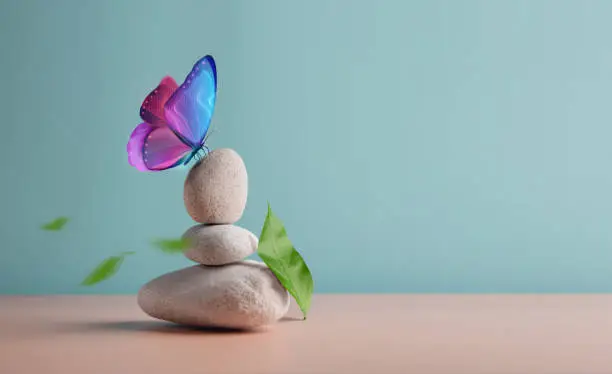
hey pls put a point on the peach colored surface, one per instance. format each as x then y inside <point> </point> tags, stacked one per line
<point>373,334</point>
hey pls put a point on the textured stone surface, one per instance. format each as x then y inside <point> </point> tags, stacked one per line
<point>216,188</point>
<point>219,244</point>
<point>243,295</point>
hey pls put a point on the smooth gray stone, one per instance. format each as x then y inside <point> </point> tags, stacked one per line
<point>219,244</point>
<point>242,295</point>
<point>216,188</point>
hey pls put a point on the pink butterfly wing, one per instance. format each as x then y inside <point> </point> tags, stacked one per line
<point>153,148</point>
<point>152,108</point>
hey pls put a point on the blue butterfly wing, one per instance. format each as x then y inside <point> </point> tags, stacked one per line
<point>190,108</point>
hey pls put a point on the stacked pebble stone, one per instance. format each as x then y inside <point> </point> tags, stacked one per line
<point>223,289</point>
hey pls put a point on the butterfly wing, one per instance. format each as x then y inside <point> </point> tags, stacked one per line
<point>152,108</point>
<point>190,108</point>
<point>154,148</point>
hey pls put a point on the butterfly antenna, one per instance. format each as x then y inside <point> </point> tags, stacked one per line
<point>212,131</point>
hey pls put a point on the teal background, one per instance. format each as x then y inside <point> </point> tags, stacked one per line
<point>409,146</point>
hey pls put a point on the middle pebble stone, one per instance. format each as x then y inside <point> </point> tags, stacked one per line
<point>219,244</point>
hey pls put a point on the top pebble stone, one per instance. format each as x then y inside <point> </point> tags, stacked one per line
<point>216,188</point>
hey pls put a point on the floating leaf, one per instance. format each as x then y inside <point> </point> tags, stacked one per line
<point>105,269</point>
<point>55,225</point>
<point>172,245</point>
<point>276,250</point>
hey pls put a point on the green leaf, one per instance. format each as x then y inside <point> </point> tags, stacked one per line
<point>105,269</point>
<point>55,225</point>
<point>172,245</point>
<point>276,250</point>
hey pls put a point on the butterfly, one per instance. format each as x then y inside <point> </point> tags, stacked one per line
<point>176,120</point>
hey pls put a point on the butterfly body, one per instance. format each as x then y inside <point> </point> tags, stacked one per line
<point>195,154</point>
<point>176,120</point>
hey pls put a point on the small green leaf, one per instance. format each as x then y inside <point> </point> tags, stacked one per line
<point>276,250</point>
<point>55,225</point>
<point>172,245</point>
<point>105,269</point>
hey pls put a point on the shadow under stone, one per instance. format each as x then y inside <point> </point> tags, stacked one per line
<point>149,326</point>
